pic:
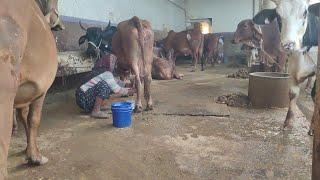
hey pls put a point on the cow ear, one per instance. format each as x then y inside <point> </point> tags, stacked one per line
<point>264,16</point>
<point>82,39</point>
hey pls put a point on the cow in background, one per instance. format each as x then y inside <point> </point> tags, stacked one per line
<point>165,68</point>
<point>99,40</point>
<point>265,38</point>
<point>29,64</point>
<point>293,19</point>
<point>189,42</point>
<point>133,46</point>
<point>212,49</point>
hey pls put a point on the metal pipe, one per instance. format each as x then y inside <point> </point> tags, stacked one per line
<point>182,8</point>
<point>253,7</point>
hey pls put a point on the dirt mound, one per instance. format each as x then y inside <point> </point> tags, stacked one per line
<point>234,100</point>
<point>241,74</point>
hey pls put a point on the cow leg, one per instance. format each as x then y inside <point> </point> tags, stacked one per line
<point>15,124</point>
<point>34,116</point>
<point>22,116</point>
<point>6,117</point>
<point>138,86</point>
<point>293,97</point>
<point>309,83</point>
<point>203,63</point>
<point>195,58</point>
<point>147,92</point>
<point>8,87</point>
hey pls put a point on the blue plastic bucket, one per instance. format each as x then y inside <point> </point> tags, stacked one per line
<point>121,114</point>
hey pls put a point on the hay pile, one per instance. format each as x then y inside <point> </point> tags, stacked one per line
<point>234,100</point>
<point>241,74</point>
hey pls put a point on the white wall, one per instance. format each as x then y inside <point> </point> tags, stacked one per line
<point>160,13</point>
<point>226,14</point>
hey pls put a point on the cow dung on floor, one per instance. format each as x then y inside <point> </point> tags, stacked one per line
<point>234,100</point>
<point>240,74</point>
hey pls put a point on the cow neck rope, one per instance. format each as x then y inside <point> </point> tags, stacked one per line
<point>270,58</point>
<point>97,47</point>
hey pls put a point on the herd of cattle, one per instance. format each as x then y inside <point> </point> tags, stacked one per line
<point>29,57</point>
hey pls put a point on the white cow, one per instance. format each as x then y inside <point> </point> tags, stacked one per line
<point>292,16</point>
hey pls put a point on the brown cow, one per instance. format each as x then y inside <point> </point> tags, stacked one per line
<point>185,43</point>
<point>165,69</point>
<point>210,50</point>
<point>49,9</point>
<point>266,38</point>
<point>28,67</point>
<point>133,45</point>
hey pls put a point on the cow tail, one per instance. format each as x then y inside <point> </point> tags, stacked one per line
<point>137,23</point>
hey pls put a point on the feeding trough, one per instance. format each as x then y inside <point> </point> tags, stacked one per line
<point>269,90</point>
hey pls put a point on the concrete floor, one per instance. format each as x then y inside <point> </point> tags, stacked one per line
<point>246,145</point>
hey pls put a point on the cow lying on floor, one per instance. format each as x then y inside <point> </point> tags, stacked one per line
<point>165,69</point>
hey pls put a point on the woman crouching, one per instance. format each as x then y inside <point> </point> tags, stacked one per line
<point>92,95</point>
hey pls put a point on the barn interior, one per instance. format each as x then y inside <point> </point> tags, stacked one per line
<point>196,131</point>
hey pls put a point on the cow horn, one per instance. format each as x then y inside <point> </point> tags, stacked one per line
<point>82,26</point>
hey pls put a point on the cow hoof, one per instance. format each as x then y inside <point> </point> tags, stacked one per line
<point>287,127</point>
<point>311,132</point>
<point>137,109</point>
<point>149,108</point>
<point>37,161</point>
<point>14,132</point>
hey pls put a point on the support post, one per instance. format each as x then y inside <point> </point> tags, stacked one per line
<point>316,116</point>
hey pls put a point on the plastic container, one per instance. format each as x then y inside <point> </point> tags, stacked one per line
<point>121,114</point>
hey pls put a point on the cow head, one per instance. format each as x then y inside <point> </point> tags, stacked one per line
<point>49,9</point>
<point>99,40</point>
<point>247,32</point>
<point>292,17</point>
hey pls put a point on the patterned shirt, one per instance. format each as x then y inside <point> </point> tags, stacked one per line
<point>117,86</point>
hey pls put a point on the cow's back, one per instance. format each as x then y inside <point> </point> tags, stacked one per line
<point>168,41</point>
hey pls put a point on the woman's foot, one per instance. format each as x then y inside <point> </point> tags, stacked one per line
<point>100,115</point>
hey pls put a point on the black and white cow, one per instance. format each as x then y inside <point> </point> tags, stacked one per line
<point>298,34</point>
<point>99,40</point>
